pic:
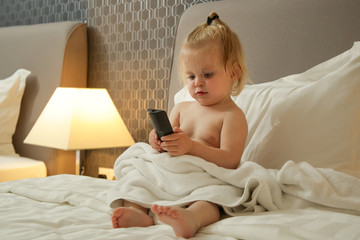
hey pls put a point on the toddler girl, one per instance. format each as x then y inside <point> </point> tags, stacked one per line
<point>213,127</point>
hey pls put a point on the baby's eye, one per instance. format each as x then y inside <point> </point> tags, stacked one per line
<point>191,77</point>
<point>208,75</point>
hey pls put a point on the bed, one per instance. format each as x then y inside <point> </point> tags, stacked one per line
<point>34,61</point>
<point>299,175</point>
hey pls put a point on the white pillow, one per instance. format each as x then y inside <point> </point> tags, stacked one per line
<point>11,92</point>
<point>313,116</point>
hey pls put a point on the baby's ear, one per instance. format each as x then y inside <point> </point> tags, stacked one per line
<point>235,71</point>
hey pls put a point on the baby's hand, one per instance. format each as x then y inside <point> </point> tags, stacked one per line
<point>154,141</point>
<point>178,143</point>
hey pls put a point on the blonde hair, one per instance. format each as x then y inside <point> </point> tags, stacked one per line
<point>232,49</point>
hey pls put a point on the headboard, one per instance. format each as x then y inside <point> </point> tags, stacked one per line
<point>56,55</point>
<point>279,37</point>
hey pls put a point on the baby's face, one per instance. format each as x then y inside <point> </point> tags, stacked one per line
<point>205,74</point>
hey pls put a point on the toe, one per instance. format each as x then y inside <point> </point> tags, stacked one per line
<point>155,209</point>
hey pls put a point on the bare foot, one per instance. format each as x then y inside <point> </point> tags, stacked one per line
<point>124,217</point>
<point>180,219</point>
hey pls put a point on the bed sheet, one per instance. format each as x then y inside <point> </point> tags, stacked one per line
<point>15,167</point>
<point>75,207</point>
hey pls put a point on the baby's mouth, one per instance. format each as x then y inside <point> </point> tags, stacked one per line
<point>200,93</point>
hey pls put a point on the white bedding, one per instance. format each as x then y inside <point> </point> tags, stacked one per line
<point>15,167</point>
<point>74,207</point>
<point>146,176</point>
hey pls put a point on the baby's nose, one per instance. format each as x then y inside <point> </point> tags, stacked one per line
<point>199,81</point>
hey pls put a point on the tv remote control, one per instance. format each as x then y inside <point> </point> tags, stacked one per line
<point>161,122</point>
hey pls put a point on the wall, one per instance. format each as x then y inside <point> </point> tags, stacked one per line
<point>130,50</point>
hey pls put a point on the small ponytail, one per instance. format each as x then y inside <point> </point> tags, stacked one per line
<point>212,17</point>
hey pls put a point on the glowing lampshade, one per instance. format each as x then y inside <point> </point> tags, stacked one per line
<point>80,118</point>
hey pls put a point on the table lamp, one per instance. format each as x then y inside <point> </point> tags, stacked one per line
<point>77,119</point>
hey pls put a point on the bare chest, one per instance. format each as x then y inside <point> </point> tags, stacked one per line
<point>204,127</point>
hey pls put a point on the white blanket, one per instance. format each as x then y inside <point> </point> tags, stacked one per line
<point>75,207</point>
<point>147,177</point>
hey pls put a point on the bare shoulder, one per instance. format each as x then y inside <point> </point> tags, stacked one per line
<point>236,114</point>
<point>177,110</point>
<point>181,106</point>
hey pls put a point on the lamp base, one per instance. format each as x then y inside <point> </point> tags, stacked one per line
<point>79,165</point>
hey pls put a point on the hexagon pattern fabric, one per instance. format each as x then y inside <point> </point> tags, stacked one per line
<point>130,52</point>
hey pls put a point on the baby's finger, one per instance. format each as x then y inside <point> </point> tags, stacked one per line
<point>177,130</point>
<point>170,137</point>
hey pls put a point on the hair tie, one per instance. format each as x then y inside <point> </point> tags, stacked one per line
<point>210,19</point>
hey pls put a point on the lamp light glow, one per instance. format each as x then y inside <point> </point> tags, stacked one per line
<point>80,118</point>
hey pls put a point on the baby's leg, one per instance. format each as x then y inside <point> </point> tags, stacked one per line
<point>131,215</point>
<point>187,221</point>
